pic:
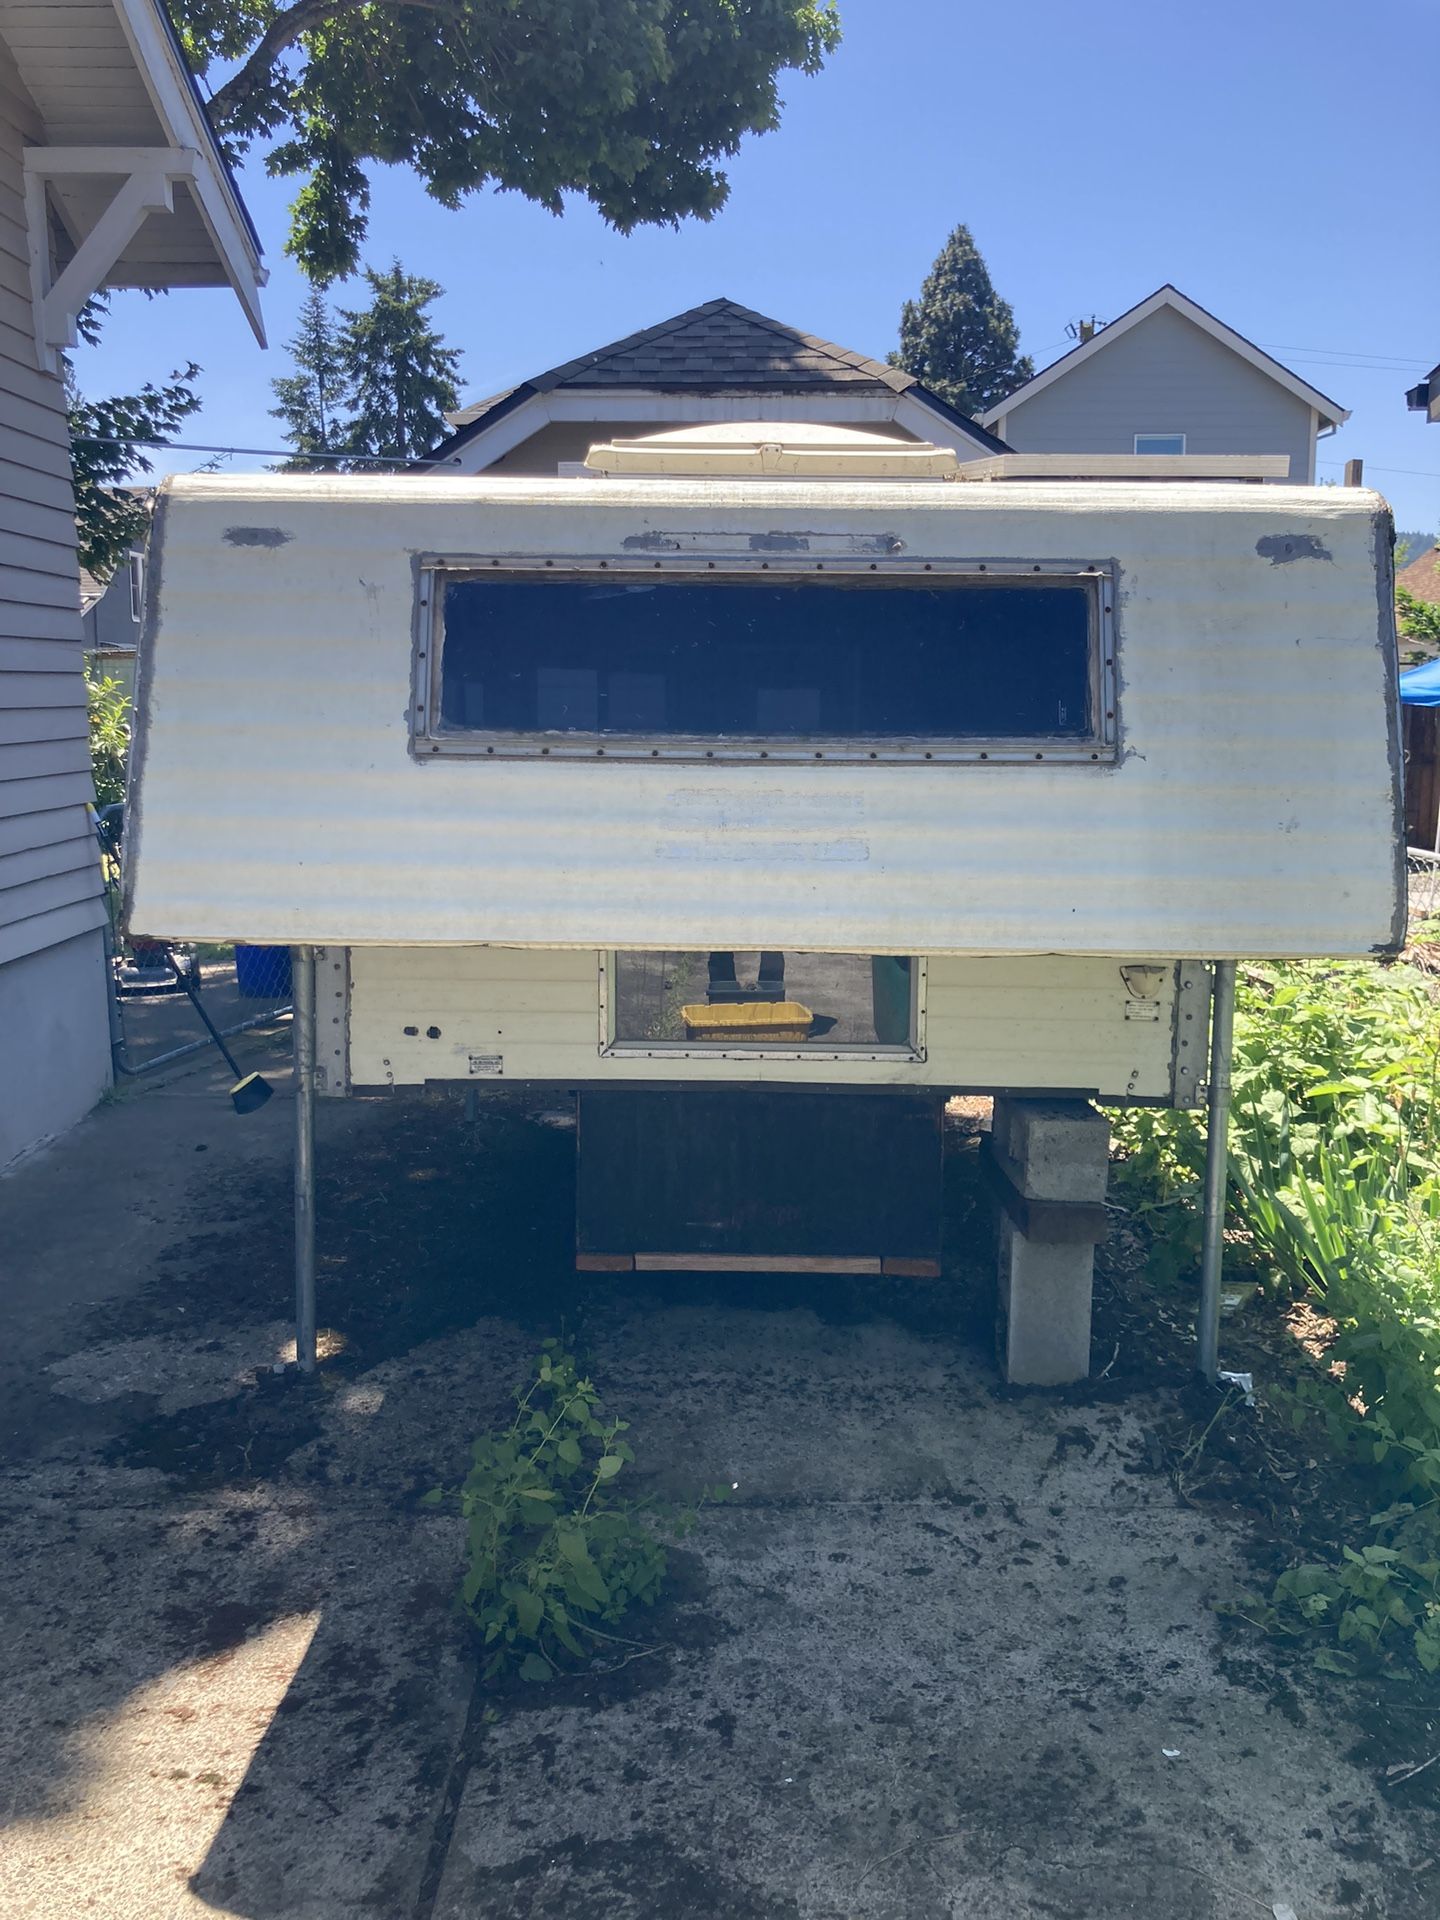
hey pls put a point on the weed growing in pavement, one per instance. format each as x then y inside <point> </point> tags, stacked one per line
<point>551,1548</point>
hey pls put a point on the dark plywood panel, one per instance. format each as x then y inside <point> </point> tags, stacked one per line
<point>1422,775</point>
<point>757,1174</point>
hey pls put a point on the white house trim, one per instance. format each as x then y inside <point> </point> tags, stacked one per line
<point>172,92</point>
<point>1326,410</point>
<point>494,442</point>
<point>491,443</point>
<point>147,178</point>
<point>926,424</point>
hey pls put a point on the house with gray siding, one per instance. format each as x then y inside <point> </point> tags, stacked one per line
<point>109,177</point>
<point>1168,377</point>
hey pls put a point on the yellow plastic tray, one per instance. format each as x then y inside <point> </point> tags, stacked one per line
<point>774,1021</point>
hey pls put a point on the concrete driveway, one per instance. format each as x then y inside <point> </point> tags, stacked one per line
<point>948,1651</point>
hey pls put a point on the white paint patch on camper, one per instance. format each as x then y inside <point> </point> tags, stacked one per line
<point>738,825</point>
<point>722,845</point>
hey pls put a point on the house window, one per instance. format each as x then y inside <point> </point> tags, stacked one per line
<point>137,587</point>
<point>639,662</point>
<point>1159,443</point>
<point>795,1005</point>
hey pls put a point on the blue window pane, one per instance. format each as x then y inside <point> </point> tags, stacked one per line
<point>1159,443</point>
<point>783,659</point>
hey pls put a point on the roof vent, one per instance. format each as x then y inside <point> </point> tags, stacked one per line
<point>773,450</point>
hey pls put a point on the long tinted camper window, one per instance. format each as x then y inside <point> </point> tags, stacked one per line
<point>748,660</point>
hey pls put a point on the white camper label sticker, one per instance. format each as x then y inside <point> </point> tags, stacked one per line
<point>487,1063</point>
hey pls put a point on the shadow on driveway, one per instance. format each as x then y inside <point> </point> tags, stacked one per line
<point>950,1650</point>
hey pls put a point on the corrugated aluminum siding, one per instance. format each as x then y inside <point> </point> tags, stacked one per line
<point>49,874</point>
<point>1253,811</point>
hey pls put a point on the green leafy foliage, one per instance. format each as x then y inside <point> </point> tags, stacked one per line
<point>1335,1190</point>
<point>552,1549</point>
<point>108,448</point>
<point>109,711</point>
<point>1419,624</point>
<point>959,338</point>
<point>1377,1600</point>
<point>628,102</point>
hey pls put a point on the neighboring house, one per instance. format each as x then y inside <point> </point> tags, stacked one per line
<point>109,177</point>
<point>714,363</point>
<point>1421,577</point>
<point>110,616</point>
<point>1426,397</point>
<point>1168,378</point>
<point>111,610</point>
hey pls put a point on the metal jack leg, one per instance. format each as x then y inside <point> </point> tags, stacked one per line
<point>1222,1029</point>
<point>302,962</point>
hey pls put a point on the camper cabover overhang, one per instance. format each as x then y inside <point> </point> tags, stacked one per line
<point>739,792</point>
<point>1031,719</point>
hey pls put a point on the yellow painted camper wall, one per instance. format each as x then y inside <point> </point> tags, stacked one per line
<point>1043,1022</point>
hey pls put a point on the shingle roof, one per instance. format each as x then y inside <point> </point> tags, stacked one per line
<point>719,347</point>
<point>1422,577</point>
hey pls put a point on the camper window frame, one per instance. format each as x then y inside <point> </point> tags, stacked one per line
<point>912,1054</point>
<point>431,738</point>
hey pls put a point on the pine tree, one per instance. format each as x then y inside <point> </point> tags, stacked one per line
<point>399,374</point>
<point>311,397</point>
<point>959,338</point>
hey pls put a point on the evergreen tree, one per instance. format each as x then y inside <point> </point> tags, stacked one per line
<point>959,338</point>
<point>398,373</point>
<point>311,397</point>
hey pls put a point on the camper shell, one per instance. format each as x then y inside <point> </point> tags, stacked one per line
<point>988,774</point>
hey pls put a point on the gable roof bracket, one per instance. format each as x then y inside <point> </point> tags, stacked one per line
<point>147,178</point>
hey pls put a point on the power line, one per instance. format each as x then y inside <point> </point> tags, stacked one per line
<point>1293,360</point>
<point>1375,356</point>
<point>1419,473</point>
<point>266,453</point>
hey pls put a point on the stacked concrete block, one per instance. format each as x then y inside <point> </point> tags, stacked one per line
<point>1048,1163</point>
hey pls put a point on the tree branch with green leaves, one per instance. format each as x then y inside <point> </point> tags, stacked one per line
<point>108,439</point>
<point>629,103</point>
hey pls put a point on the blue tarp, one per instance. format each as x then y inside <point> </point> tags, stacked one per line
<point>1420,687</point>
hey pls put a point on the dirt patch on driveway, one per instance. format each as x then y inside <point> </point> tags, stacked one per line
<point>949,1650</point>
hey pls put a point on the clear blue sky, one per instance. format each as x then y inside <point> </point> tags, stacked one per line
<point>1276,161</point>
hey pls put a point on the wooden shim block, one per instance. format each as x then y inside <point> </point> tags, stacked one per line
<point>604,1262</point>
<point>756,1263</point>
<point>901,1269</point>
<point>1051,1223</point>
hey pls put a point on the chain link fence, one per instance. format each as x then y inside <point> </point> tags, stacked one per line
<point>1423,879</point>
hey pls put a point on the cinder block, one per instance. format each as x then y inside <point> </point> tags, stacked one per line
<point>1044,1310</point>
<point>1058,1149</point>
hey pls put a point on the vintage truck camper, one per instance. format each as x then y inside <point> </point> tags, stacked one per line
<point>765,790</point>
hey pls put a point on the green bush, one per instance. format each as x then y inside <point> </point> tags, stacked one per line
<point>1335,1188</point>
<point>109,711</point>
<point>551,1549</point>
